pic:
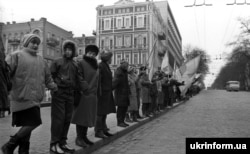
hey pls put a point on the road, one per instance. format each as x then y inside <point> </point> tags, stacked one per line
<point>212,113</point>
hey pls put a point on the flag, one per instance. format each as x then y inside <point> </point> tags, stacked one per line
<point>165,67</point>
<point>189,68</point>
<point>153,64</point>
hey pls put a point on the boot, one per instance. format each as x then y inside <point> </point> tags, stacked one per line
<point>9,147</point>
<point>2,115</point>
<point>134,116</point>
<point>24,147</point>
<point>100,134</point>
<point>86,140</point>
<point>80,142</point>
<point>127,118</point>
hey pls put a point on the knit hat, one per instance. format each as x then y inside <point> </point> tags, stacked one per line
<point>28,37</point>
<point>131,68</point>
<point>106,55</point>
<point>92,48</point>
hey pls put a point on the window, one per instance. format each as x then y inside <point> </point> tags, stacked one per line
<point>127,57</point>
<point>140,41</point>
<point>111,44</point>
<point>118,41</point>
<point>102,44</point>
<point>127,22</point>
<point>127,41</point>
<point>144,41</point>
<point>119,22</point>
<point>144,58</point>
<point>48,35</point>
<point>135,42</point>
<point>136,58</point>
<point>118,58</point>
<point>107,24</point>
<point>106,42</point>
<point>140,21</point>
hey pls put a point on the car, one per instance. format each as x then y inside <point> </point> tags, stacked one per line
<point>233,86</point>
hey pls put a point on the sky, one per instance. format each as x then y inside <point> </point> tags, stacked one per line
<point>207,27</point>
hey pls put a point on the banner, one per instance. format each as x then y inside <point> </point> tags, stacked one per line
<point>165,67</point>
<point>189,68</point>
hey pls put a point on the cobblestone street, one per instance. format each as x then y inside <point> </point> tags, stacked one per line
<point>209,114</point>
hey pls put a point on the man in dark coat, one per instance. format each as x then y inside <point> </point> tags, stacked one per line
<point>121,86</point>
<point>3,85</point>
<point>105,104</point>
<point>66,75</point>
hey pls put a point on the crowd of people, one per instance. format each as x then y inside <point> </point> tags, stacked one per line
<point>83,92</point>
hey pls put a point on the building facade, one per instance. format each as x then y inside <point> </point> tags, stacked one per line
<point>83,41</point>
<point>133,31</point>
<point>51,35</point>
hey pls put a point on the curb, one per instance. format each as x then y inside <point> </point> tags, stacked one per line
<point>100,143</point>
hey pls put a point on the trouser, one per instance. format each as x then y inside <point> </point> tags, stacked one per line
<point>146,108</point>
<point>121,114</point>
<point>61,113</point>
<point>153,106</point>
<point>101,123</point>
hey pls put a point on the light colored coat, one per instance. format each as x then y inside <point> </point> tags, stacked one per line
<point>31,75</point>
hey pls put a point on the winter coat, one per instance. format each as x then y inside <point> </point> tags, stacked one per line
<point>145,85</point>
<point>64,70</point>
<point>85,113</point>
<point>120,84</point>
<point>30,76</point>
<point>106,102</point>
<point>133,93</point>
<point>3,89</point>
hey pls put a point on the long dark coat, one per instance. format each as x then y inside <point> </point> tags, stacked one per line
<point>121,86</point>
<point>145,86</point>
<point>85,113</point>
<point>106,102</point>
<point>3,86</point>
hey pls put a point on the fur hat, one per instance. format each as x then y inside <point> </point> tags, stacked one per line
<point>92,48</point>
<point>106,55</point>
<point>28,37</point>
<point>143,68</point>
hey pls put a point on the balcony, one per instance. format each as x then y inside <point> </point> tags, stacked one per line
<point>14,41</point>
<point>52,42</point>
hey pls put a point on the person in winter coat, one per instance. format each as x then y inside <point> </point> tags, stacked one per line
<point>122,92</point>
<point>106,104</point>
<point>3,84</point>
<point>65,73</point>
<point>85,112</point>
<point>145,85</point>
<point>133,107</point>
<point>29,74</point>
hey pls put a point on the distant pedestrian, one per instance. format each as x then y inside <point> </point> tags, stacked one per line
<point>85,112</point>
<point>145,85</point>
<point>133,107</point>
<point>122,92</point>
<point>30,75</point>
<point>106,104</point>
<point>65,73</point>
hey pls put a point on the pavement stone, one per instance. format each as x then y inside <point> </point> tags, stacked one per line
<point>40,138</point>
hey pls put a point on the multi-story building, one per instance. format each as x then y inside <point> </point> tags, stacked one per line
<point>133,31</point>
<point>83,41</point>
<point>51,36</point>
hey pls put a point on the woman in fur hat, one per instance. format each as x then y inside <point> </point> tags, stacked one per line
<point>85,112</point>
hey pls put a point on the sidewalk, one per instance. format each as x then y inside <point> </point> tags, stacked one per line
<point>41,136</point>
